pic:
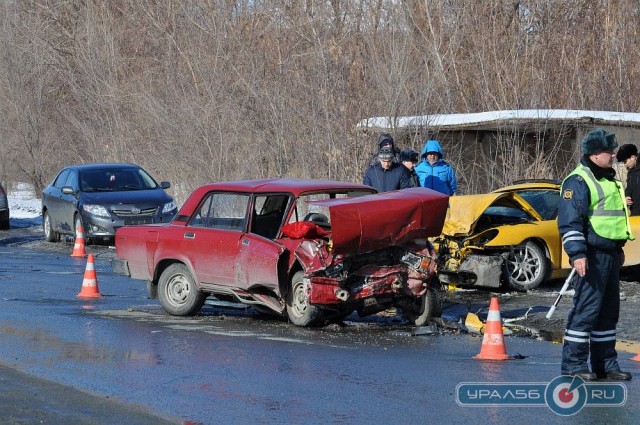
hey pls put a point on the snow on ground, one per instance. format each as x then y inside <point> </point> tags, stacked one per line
<point>24,207</point>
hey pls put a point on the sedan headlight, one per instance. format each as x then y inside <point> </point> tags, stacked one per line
<point>97,210</point>
<point>168,207</point>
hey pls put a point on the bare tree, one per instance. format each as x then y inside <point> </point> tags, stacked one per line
<point>199,91</point>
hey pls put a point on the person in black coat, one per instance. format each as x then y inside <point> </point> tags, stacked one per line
<point>628,155</point>
<point>386,174</point>
<point>409,158</point>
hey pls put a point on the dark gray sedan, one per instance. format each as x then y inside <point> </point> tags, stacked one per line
<point>4,209</point>
<point>102,198</point>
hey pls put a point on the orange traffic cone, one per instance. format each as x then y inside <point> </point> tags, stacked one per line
<point>90,281</point>
<point>493,340</point>
<point>637,357</point>
<point>78,246</point>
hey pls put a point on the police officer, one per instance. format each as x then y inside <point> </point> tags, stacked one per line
<point>594,225</point>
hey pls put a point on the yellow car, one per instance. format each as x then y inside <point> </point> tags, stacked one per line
<point>509,236</point>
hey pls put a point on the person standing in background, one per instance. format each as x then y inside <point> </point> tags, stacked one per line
<point>385,141</point>
<point>409,158</point>
<point>387,174</point>
<point>434,172</point>
<point>628,155</point>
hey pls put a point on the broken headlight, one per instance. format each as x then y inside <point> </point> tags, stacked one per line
<point>336,268</point>
<point>418,262</point>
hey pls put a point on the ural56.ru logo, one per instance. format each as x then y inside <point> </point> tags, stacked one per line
<point>565,395</point>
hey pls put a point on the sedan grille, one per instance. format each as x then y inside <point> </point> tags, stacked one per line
<point>144,216</point>
<point>136,213</point>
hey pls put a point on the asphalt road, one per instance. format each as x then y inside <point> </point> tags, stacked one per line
<point>230,365</point>
<point>30,400</point>
<point>525,312</point>
<point>25,399</point>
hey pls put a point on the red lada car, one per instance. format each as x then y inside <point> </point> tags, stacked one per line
<point>312,251</point>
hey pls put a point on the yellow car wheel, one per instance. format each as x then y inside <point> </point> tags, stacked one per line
<point>526,266</point>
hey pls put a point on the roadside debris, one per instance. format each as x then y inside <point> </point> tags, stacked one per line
<point>430,329</point>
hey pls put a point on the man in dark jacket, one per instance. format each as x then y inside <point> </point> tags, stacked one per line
<point>628,155</point>
<point>594,226</point>
<point>409,158</point>
<point>386,174</point>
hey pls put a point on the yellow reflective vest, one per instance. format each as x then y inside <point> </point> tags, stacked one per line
<point>608,212</point>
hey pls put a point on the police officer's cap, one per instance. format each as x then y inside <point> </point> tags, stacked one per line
<point>598,141</point>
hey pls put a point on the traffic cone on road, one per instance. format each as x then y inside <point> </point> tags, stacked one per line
<point>78,246</point>
<point>493,339</point>
<point>90,281</point>
<point>637,357</point>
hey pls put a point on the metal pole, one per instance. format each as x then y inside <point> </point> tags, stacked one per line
<point>562,291</point>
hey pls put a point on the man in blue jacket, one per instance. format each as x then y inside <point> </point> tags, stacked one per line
<point>386,174</point>
<point>594,225</point>
<point>434,172</point>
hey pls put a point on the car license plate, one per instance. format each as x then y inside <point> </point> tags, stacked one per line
<point>134,221</point>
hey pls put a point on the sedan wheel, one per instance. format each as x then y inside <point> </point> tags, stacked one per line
<point>49,234</point>
<point>526,267</point>
<point>300,312</point>
<point>426,307</point>
<point>178,293</point>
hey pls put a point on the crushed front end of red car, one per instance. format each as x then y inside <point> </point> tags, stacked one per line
<point>391,271</point>
<point>377,254</point>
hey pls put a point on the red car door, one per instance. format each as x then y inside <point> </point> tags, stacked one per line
<point>212,238</point>
<point>258,256</point>
<point>257,262</point>
<point>212,253</point>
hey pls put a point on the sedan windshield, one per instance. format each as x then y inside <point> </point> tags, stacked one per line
<point>116,180</point>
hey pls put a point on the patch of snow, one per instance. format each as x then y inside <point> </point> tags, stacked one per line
<point>24,207</point>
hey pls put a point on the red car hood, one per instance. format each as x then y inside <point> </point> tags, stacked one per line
<point>372,222</point>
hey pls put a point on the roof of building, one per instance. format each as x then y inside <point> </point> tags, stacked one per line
<point>497,120</point>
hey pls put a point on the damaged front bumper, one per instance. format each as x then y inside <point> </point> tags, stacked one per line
<point>370,281</point>
<point>367,281</point>
<point>476,270</point>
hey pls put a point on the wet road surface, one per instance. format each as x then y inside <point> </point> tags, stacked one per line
<point>229,366</point>
<point>28,400</point>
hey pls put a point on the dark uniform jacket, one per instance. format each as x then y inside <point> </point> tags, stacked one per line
<point>573,218</point>
<point>633,189</point>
